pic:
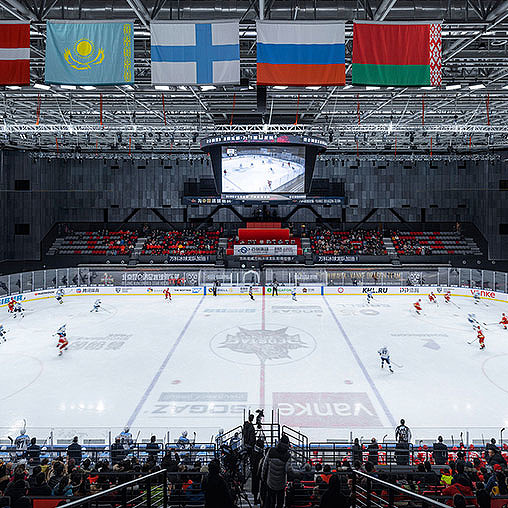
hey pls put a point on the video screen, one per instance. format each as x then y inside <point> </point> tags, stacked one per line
<point>270,169</point>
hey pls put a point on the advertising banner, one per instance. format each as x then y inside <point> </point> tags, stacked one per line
<point>265,250</point>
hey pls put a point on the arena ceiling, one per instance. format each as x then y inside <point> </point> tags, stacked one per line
<point>468,114</point>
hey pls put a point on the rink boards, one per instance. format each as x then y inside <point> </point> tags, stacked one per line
<point>377,291</point>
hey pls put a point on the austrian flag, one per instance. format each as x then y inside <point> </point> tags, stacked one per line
<point>397,53</point>
<point>14,53</point>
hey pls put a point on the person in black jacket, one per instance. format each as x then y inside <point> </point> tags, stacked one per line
<point>257,456</point>
<point>495,457</point>
<point>40,487</point>
<point>461,477</point>
<point>217,494</point>
<point>333,497</point>
<point>117,451</point>
<point>249,435</point>
<point>440,452</point>
<point>33,453</point>
<point>74,451</point>
<point>16,489</point>
<point>356,452</point>
<point>276,466</point>
<point>153,448</point>
<point>373,452</point>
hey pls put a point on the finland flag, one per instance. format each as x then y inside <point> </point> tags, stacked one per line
<point>197,53</point>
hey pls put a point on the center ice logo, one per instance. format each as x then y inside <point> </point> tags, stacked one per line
<point>255,345</point>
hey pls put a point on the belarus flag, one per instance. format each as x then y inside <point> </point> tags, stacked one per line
<point>14,53</point>
<point>397,53</point>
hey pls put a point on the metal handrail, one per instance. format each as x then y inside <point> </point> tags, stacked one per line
<point>88,499</point>
<point>406,492</point>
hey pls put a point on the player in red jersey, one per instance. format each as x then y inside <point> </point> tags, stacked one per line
<point>432,298</point>
<point>504,321</point>
<point>447,297</point>
<point>62,340</point>
<point>481,338</point>
<point>10,305</point>
<point>167,294</point>
<point>418,306</point>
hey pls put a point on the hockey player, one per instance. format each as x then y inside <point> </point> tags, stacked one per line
<point>183,446</point>
<point>369,297</point>
<point>447,297</point>
<point>3,333</point>
<point>472,320</point>
<point>481,338</point>
<point>59,295</point>
<point>10,305</point>
<point>275,288</point>
<point>18,310</point>
<point>418,306</point>
<point>385,357</point>
<point>215,286</point>
<point>476,297</point>
<point>126,438</point>
<point>167,294</point>
<point>293,294</point>
<point>21,443</point>
<point>250,293</point>
<point>432,297</point>
<point>503,322</point>
<point>96,306</point>
<point>62,340</point>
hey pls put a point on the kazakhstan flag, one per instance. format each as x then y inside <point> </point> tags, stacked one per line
<point>90,53</point>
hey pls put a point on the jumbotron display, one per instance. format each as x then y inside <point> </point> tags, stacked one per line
<point>262,167</point>
<point>252,169</point>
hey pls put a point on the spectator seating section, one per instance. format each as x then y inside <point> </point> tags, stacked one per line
<point>428,243</point>
<point>96,243</point>
<point>360,242</point>
<point>181,243</point>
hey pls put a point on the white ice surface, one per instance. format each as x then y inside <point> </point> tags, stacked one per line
<point>134,360</point>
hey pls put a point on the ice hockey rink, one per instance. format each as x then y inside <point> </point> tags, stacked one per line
<point>251,173</point>
<point>198,362</point>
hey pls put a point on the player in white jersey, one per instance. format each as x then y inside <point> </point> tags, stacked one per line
<point>21,443</point>
<point>369,297</point>
<point>385,357</point>
<point>18,310</point>
<point>293,294</point>
<point>126,438</point>
<point>473,321</point>
<point>476,297</point>
<point>59,295</point>
<point>3,333</point>
<point>96,306</point>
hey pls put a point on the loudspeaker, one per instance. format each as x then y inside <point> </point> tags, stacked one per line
<point>261,98</point>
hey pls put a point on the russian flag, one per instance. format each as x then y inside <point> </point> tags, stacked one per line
<point>300,53</point>
<point>14,53</point>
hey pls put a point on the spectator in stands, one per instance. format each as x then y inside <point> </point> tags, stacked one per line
<point>495,457</point>
<point>152,448</point>
<point>217,494</point>
<point>461,477</point>
<point>440,452</point>
<point>74,451</point>
<point>491,446</point>
<point>33,452</point>
<point>256,457</point>
<point>16,489</point>
<point>117,451</point>
<point>56,474</point>
<point>63,488</point>
<point>276,466</point>
<point>356,452</point>
<point>40,487</point>
<point>333,497</point>
<point>496,485</point>
<point>373,452</point>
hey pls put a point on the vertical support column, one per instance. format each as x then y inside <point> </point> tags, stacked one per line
<point>261,9</point>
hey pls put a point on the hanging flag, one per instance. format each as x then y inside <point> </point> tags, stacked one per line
<point>396,53</point>
<point>300,53</point>
<point>14,53</point>
<point>90,52</point>
<point>197,53</point>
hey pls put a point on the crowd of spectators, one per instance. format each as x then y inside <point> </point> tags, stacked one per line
<point>341,243</point>
<point>187,242</point>
<point>102,242</point>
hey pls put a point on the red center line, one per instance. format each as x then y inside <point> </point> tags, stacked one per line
<point>262,364</point>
